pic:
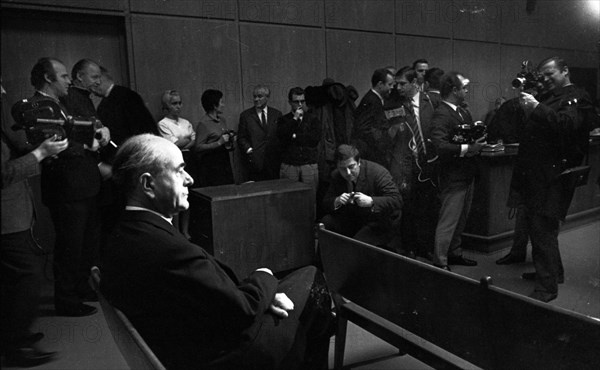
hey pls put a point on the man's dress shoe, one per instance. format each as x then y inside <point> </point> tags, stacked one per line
<point>531,276</point>
<point>76,311</point>
<point>460,260</point>
<point>443,267</point>
<point>543,296</point>
<point>509,259</point>
<point>28,357</point>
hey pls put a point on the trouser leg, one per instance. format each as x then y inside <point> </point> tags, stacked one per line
<point>521,236</point>
<point>545,252</point>
<point>452,200</point>
<point>21,279</point>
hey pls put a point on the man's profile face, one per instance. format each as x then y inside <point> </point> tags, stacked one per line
<point>171,185</point>
<point>89,77</point>
<point>553,76</point>
<point>384,88</point>
<point>61,80</point>
<point>421,69</point>
<point>461,93</point>
<point>349,169</point>
<point>261,97</point>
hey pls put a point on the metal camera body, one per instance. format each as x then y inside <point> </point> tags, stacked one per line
<point>468,134</point>
<point>529,79</point>
<point>232,134</point>
<point>44,119</point>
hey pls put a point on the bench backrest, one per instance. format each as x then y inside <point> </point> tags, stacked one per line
<point>132,346</point>
<point>485,325</point>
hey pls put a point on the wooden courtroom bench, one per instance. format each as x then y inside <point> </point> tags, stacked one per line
<point>132,346</point>
<point>447,320</point>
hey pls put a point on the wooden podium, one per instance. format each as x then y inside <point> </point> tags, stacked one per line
<point>259,224</point>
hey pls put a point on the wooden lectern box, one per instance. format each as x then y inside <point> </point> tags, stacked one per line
<point>259,224</point>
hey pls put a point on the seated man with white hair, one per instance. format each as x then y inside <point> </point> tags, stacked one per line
<point>190,308</point>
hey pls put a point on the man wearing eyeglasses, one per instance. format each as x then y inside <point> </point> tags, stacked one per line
<point>299,133</point>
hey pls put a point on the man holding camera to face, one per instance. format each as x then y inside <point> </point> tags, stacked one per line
<point>362,201</point>
<point>555,137</point>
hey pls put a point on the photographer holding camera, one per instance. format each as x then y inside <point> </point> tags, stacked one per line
<point>362,201</point>
<point>70,185</point>
<point>555,137</point>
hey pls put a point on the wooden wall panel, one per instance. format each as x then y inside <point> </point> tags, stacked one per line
<point>30,35</point>
<point>424,17</point>
<point>197,8</point>
<point>476,20</point>
<point>438,52</point>
<point>480,63</point>
<point>353,56</point>
<point>86,4</point>
<point>375,15</point>
<point>292,12</point>
<point>281,57</point>
<point>552,24</point>
<point>190,55</point>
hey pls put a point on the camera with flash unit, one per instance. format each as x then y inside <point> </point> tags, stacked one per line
<point>529,79</point>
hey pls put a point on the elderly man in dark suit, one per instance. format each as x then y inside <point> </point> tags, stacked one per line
<point>192,309</point>
<point>362,201</point>
<point>371,132</point>
<point>458,164</point>
<point>257,137</point>
<point>122,110</point>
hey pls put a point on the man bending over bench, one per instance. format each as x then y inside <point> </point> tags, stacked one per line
<point>362,202</point>
<point>190,308</point>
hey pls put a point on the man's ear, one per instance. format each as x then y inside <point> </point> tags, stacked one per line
<point>48,78</point>
<point>147,183</point>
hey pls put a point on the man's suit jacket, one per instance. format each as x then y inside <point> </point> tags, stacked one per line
<point>426,110</point>
<point>453,168</point>
<point>187,305</point>
<point>73,175</point>
<point>266,151</point>
<point>558,128</point>
<point>373,180</point>
<point>124,112</point>
<point>370,134</point>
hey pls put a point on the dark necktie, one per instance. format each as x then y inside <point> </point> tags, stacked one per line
<point>461,112</point>
<point>263,121</point>
<point>419,142</point>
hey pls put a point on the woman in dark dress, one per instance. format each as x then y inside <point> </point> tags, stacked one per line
<point>213,142</point>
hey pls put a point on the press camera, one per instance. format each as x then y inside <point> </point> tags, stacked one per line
<point>469,133</point>
<point>44,119</point>
<point>529,78</point>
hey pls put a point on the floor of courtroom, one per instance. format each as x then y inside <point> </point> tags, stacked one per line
<point>86,343</point>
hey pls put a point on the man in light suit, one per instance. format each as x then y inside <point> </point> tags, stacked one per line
<point>458,168</point>
<point>257,137</point>
<point>191,308</point>
<point>371,133</point>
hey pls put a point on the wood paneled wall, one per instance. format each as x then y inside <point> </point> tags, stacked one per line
<point>192,45</point>
<point>232,45</point>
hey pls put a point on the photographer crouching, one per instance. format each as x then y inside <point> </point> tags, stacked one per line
<point>555,138</point>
